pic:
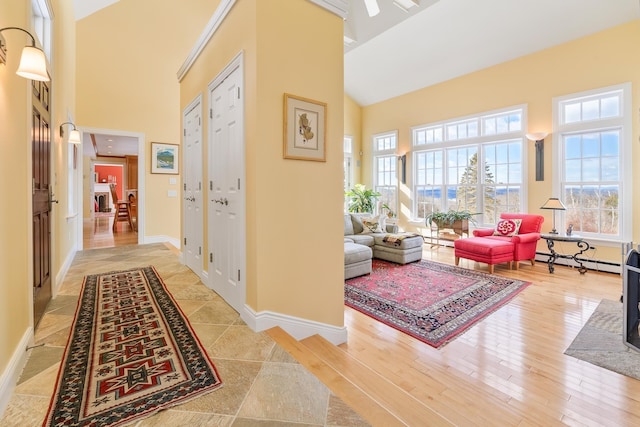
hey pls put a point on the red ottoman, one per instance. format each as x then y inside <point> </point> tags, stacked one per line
<point>490,251</point>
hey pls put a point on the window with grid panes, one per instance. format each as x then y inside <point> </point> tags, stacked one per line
<point>385,166</point>
<point>593,130</point>
<point>474,163</point>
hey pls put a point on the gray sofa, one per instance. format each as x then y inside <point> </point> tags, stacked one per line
<point>366,240</point>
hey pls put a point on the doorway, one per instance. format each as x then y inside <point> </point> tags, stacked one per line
<point>110,157</point>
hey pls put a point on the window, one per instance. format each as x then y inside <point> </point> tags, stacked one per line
<point>385,167</point>
<point>593,139</point>
<point>473,163</point>
<point>41,24</point>
<point>348,168</point>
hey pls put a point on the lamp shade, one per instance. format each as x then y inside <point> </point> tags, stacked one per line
<point>537,136</point>
<point>74,137</point>
<point>33,64</point>
<point>555,204</point>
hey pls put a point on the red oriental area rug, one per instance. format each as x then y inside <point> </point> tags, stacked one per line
<point>131,353</point>
<point>430,301</point>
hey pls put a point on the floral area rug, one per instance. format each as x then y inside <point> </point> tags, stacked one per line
<point>430,301</point>
<point>131,353</point>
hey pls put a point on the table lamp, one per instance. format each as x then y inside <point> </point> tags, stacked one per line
<point>556,205</point>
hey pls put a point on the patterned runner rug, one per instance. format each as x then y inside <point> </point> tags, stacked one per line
<point>131,353</point>
<point>430,301</point>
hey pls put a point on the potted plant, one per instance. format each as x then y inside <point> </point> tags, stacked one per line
<point>390,212</point>
<point>458,221</point>
<point>362,199</point>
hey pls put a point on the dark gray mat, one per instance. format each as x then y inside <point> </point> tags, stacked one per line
<point>600,342</point>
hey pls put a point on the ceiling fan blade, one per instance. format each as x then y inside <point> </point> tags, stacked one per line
<point>372,7</point>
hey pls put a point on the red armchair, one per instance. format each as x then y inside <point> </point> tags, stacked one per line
<point>525,242</point>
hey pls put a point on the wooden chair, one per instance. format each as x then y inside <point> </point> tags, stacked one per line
<point>123,209</point>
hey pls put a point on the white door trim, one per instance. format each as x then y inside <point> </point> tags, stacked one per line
<point>141,180</point>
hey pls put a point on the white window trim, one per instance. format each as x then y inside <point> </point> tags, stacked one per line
<point>626,180</point>
<point>479,141</point>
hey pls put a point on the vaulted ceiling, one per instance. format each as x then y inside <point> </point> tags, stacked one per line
<point>397,52</point>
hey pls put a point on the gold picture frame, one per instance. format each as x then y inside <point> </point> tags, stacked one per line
<point>305,128</point>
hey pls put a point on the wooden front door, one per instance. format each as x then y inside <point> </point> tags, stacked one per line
<point>42,198</point>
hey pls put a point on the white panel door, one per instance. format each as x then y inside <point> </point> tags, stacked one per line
<point>192,242</point>
<point>226,185</point>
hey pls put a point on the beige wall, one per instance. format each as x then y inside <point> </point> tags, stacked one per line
<point>353,127</point>
<point>294,239</point>
<point>128,57</point>
<point>15,169</point>
<point>599,60</point>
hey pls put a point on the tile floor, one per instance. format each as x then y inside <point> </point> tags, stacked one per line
<point>263,385</point>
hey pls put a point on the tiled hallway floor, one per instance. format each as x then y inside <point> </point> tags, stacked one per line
<point>263,385</point>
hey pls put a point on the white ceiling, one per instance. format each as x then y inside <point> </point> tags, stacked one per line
<point>456,37</point>
<point>397,52</point>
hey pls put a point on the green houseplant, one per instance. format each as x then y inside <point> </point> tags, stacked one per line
<point>458,221</point>
<point>362,199</point>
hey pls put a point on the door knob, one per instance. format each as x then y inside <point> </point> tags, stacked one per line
<point>223,201</point>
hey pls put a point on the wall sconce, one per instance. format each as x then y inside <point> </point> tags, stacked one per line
<point>403,168</point>
<point>539,137</point>
<point>33,63</point>
<point>74,135</point>
<point>556,205</point>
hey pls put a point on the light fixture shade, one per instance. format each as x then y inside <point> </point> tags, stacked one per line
<point>74,137</point>
<point>33,64</point>
<point>537,136</point>
<point>372,7</point>
<point>555,204</point>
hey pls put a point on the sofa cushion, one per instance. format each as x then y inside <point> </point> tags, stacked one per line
<point>354,253</point>
<point>362,239</point>
<point>348,225</point>
<point>507,227</point>
<point>356,223</point>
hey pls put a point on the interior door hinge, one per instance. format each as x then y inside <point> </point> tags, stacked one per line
<point>238,183</point>
<point>185,186</point>
<point>238,275</point>
<point>210,185</point>
<point>199,121</point>
<point>211,113</point>
<point>185,241</point>
<point>238,92</point>
<point>200,250</point>
<point>200,185</point>
<point>184,132</point>
<point>210,256</point>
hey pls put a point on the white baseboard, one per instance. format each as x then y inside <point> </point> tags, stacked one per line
<point>11,374</point>
<point>294,326</point>
<point>64,270</point>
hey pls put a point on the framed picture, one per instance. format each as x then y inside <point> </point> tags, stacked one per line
<point>164,158</point>
<point>304,129</point>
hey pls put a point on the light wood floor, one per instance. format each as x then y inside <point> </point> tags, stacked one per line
<point>507,370</point>
<point>97,233</point>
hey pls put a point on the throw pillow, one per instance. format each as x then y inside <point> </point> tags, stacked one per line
<point>507,227</point>
<point>371,224</point>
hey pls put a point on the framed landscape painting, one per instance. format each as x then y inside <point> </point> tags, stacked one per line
<point>164,158</point>
<point>304,129</point>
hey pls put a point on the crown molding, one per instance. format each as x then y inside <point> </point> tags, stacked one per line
<point>338,7</point>
<point>214,23</point>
